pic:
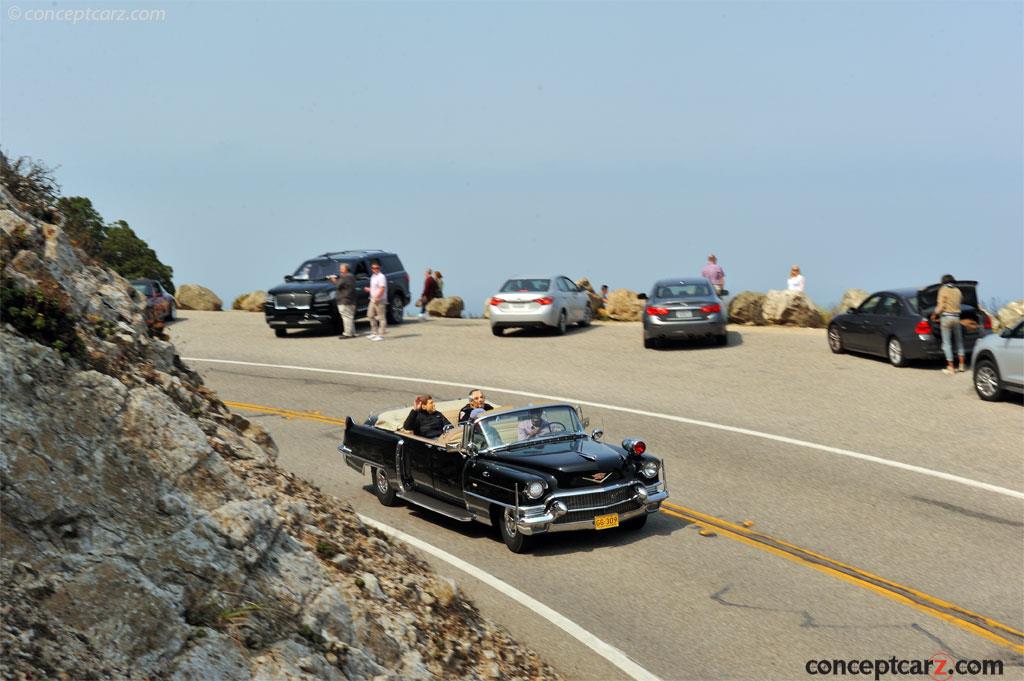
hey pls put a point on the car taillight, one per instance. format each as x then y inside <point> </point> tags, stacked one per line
<point>714,307</point>
<point>656,311</point>
<point>987,321</point>
<point>923,328</point>
<point>497,301</point>
<point>544,301</point>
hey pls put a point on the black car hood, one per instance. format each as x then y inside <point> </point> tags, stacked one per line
<point>302,286</point>
<point>565,458</point>
<point>927,297</point>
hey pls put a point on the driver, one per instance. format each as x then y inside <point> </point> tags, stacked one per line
<point>535,426</point>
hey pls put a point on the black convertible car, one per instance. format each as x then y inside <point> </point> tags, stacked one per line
<point>896,324</point>
<point>526,471</point>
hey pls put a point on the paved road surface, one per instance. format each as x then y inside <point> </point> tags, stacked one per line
<point>682,605</point>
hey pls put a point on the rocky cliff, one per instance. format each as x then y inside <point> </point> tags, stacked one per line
<point>148,533</point>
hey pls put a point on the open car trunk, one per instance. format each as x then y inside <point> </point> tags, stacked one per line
<point>927,298</point>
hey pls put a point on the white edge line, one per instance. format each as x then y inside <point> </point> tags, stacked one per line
<point>668,417</point>
<point>605,650</point>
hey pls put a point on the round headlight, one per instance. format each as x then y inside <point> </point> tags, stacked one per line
<point>535,490</point>
<point>649,469</point>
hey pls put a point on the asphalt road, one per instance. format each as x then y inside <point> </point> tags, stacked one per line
<point>683,605</point>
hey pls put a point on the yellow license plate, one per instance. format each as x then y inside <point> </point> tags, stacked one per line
<point>604,522</point>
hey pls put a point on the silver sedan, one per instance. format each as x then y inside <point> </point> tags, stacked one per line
<point>550,301</point>
<point>681,309</point>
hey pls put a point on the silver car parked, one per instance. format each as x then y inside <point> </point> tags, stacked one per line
<point>551,301</point>
<point>683,308</point>
<point>998,362</point>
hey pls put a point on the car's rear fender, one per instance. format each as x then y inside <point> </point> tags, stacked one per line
<point>370,446</point>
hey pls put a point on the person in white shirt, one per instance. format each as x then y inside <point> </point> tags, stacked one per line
<point>376,312</point>
<point>796,280</point>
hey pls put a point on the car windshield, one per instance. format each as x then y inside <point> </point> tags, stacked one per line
<point>682,290</point>
<point>315,269</point>
<point>525,425</point>
<point>141,288</point>
<point>526,286</point>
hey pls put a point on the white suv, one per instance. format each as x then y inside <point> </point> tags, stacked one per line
<point>998,362</point>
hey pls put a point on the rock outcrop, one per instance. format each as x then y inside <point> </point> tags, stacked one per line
<point>1010,314</point>
<point>146,531</point>
<point>595,300</point>
<point>791,308</point>
<point>445,307</point>
<point>250,302</point>
<point>624,305</point>
<point>745,308</point>
<point>196,297</point>
<point>852,297</point>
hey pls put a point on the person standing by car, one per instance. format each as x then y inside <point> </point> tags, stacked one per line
<point>429,291</point>
<point>346,300</point>
<point>377,309</point>
<point>714,273</point>
<point>796,280</point>
<point>947,313</point>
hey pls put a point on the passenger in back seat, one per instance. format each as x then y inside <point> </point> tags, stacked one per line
<point>426,421</point>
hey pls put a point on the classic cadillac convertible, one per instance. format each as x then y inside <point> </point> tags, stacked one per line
<point>527,471</point>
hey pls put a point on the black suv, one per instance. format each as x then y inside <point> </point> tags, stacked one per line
<point>307,298</point>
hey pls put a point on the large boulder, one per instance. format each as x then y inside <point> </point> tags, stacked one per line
<point>792,308</point>
<point>1010,314</point>
<point>624,305</point>
<point>595,300</point>
<point>445,307</point>
<point>852,297</point>
<point>745,308</point>
<point>250,302</point>
<point>196,297</point>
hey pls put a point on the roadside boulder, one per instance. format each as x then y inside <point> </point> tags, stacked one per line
<point>745,308</point>
<point>595,300</point>
<point>445,307</point>
<point>1010,314</point>
<point>624,305</point>
<point>852,297</point>
<point>487,310</point>
<point>250,302</point>
<point>196,297</point>
<point>792,308</point>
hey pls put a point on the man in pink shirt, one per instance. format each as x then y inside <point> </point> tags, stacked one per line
<point>376,312</point>
<point>714,273</point>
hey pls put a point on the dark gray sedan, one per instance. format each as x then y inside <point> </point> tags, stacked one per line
<point>896,324</point>
<point>683,308</point>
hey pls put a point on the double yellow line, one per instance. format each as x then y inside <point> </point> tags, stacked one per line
<point>979,625</point>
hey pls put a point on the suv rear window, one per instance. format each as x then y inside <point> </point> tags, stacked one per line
<point>391,263</point>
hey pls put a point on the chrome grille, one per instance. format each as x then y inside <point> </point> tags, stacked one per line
<point>292,301</point>
<point>600,499</point>
<point>580,516</point>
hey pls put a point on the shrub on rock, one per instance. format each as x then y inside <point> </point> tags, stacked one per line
<point>196,297</point>
<point>250,302</point>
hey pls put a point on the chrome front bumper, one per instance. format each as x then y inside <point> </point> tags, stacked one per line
<point>542,519</point>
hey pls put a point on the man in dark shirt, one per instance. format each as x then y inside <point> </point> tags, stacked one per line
<point>476,401</point>
<point>426,420</point>
<point>346,300</point>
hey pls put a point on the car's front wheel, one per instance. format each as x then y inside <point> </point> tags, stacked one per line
<point>516,541</point>
<point>634,524</point>
<point>894,350</point>
<point>386,494</point>
<point>987,383</point>
<point>835,340</point>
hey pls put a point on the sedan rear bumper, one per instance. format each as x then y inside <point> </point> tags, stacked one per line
<point>655,327</point>
<point>546,315</point>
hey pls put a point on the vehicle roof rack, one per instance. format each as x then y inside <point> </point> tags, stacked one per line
<point>354,251</point>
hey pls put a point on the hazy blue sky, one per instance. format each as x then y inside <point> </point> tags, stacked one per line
<point>875,144</point>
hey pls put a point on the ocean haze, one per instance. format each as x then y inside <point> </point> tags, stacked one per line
<point>874,144</point>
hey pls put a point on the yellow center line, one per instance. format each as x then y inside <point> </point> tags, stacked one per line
<point>979,625</point>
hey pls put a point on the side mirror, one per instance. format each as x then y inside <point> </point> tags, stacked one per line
<point>289,277</point>
<point>472,449</point>
<point>851,310</point>
<point>597,435</point>
<point>642,296</point>
<point>1006,333</point>
<point>723,294</point>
